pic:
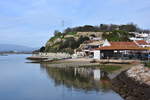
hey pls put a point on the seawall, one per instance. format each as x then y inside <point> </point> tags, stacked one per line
<point>131,88</point>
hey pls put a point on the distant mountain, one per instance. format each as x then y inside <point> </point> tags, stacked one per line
<point>17,48</point>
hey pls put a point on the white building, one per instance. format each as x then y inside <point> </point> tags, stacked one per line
<point>140,36</point>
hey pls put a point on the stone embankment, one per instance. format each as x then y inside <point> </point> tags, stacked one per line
<point>133,84</point>
<point>140,73</point>
<point>52,55</point>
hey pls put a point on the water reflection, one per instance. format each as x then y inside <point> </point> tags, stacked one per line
<point>28,81</point>
<point>86,79</point>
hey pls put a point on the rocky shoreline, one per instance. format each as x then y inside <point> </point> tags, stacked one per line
<point>133,84</point>
<point>140,73</point>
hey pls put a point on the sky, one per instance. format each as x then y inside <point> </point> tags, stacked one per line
<point>32,22</point>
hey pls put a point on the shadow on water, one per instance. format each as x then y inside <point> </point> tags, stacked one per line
<point>85,79</point>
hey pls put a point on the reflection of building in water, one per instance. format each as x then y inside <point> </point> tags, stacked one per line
<point>87,79</point>
<point>97,74</point>
<point>83,71</point>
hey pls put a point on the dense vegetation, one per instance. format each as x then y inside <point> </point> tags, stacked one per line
<point>106,28</point>
<point>117,35</point>
<point>68,45</point>
<point>61,43</point>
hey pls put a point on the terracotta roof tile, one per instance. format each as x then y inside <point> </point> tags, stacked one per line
<point>141,42</point>
<point>122,46</point>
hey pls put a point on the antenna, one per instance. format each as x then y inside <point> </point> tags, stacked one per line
<point>63,23</point>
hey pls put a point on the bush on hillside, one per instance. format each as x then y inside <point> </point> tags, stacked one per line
<point>67,46</point>
<point>117,35</point>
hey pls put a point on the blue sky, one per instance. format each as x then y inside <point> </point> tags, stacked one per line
<point>32,22</point>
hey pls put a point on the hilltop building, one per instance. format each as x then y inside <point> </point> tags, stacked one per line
<point>140,36</point>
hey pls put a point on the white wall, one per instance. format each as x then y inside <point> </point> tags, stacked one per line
<point>96,54</point>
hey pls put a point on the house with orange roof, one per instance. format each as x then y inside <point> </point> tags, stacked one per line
<point>117,50</point>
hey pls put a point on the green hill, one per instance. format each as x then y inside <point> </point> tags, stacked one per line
<point>71,38</point>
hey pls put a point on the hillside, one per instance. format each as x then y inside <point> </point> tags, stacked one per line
<point>71,38</point>
<point>65,43</point>
<point>12,47</point>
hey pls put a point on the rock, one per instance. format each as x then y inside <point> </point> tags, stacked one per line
<point>133,84</point>
<point>139,73</point>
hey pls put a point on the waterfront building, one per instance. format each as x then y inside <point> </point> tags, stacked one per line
<point>120,50</point>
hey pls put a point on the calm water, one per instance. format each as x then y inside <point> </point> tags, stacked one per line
<point>26,81</point>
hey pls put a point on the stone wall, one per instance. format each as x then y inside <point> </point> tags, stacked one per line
<point>97,34</point>
<point>54,55</point>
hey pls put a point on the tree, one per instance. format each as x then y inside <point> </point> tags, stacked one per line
<point>68,43</point>
<point>72,43</point>
<point>129,27</point>
<point>117,35</point>
<point>103,27</point>
<point>81,40</point>
<point>57,33</point>
<point>42,49</point>
<point>68,30</point>
<point>113,27</point>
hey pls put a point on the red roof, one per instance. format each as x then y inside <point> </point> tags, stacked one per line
<point>122,46</point>
<point>141,42</point>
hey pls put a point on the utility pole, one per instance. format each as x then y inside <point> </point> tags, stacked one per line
<point>63,23</point>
